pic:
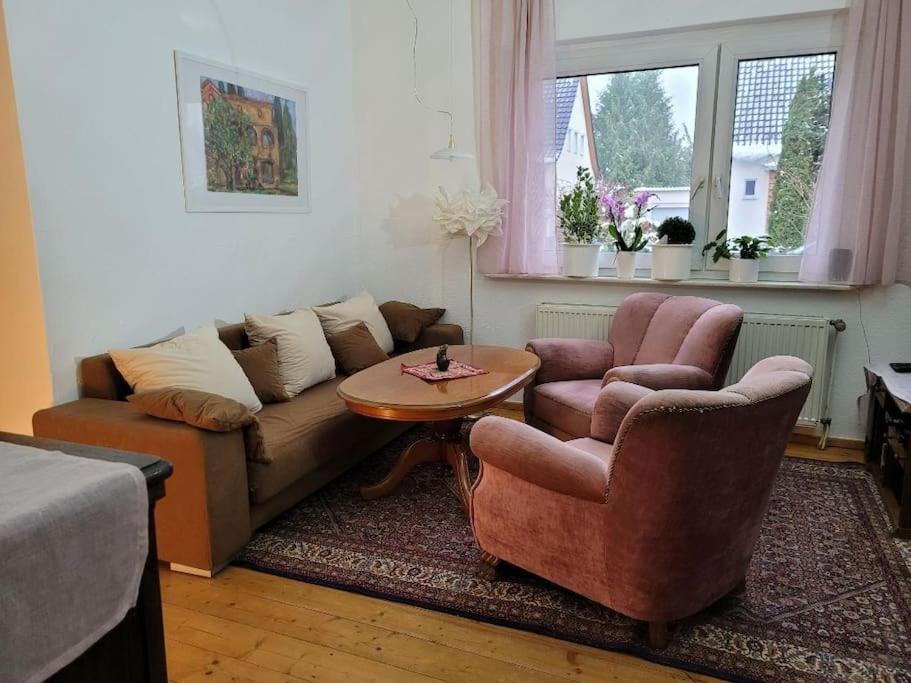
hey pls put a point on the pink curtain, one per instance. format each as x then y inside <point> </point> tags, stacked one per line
<point>515,67</point>
<point>859,229</point>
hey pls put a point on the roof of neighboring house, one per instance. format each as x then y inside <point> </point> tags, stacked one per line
<point>566,97</point>
<point>765,88</point>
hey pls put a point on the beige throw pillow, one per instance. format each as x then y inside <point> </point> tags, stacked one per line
<point>304,358</point>
<point>360,308</point>
<point>198,361</point>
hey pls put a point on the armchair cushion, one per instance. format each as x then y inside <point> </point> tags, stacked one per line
<point>539,459</point>
<point>661,376</point>
<point>566,406</point>
<point>613,403</point>
<point>569,359</point>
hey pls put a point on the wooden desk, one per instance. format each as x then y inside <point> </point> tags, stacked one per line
<point>888,441</point>
<point>133,651</point>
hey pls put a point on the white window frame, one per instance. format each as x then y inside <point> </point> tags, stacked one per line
<point>794,37</point>
<point>717,52</point>
<point>755,182</point>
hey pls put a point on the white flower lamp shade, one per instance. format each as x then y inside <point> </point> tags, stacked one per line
<point>478,215</point>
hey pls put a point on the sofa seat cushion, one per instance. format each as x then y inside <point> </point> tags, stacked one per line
<point>567,405</point>
<point>304,434</point>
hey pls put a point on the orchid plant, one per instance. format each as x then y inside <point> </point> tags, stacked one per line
<point>628,223</point>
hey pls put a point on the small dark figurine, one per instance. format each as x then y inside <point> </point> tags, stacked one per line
<point>442,359</point>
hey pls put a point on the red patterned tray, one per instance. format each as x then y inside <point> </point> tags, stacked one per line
<point>429,372</point>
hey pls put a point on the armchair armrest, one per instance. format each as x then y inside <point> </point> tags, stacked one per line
<point>613,403</point>
<point>538,458</point>
<point>661,376</point>
<point>570,359</point>
<point>204,517</point>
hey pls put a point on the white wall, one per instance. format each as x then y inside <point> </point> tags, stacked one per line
<point>402,257</point>
<point>402,253</point>
<point>569,160</point>
<point>120,261</point>
<point>748,216</point>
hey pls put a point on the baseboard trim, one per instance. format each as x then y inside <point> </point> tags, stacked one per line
<point>809,436</point>
<point>193,571</point>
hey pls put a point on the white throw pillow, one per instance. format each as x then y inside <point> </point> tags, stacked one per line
<point>198,360</point>
<point>304,357</point>
<point>360,308</point>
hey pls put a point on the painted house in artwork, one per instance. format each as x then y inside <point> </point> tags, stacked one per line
<point>262,134</point>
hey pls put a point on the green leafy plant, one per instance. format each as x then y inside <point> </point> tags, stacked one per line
<point>745,247</point>
<point>751,247</point>
<point>677,230</point>
<point>580,220</point>
<point>720,245</point>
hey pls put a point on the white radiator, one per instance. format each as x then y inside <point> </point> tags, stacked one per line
<point>762,335</point>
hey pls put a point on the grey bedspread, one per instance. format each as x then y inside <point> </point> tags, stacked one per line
<point>73,542</point>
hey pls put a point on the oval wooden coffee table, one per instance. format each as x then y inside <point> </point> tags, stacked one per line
<point>384,391</point>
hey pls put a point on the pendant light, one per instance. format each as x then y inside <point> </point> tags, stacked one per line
<point>449,152</point>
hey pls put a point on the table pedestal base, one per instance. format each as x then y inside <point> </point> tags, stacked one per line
<point>443,445</point>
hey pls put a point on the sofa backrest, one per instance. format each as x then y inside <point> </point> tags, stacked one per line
<point>98,377</point>
<point>659,328</point>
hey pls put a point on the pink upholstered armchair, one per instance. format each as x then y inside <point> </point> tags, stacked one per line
<point>655,340</point>
<point>661,523</point>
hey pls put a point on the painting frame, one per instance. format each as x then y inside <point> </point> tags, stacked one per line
<point>262,184</point>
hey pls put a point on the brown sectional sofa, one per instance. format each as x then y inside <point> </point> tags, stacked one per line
<point>216,498</point>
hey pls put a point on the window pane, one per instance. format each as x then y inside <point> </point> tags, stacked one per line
<point>641,125</point>
<point>781,116</point>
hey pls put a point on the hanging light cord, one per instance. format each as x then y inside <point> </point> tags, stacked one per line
<point>414,66</point>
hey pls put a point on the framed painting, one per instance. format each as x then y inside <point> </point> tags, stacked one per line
<point>243,139</point>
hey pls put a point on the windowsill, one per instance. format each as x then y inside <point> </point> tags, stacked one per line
<point>698,282</point>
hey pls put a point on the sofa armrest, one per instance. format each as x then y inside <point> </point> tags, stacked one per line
<point>570,359</point>
<point>435,335</point>
<point>661,376</point>
<point>204,518</point>
<point>538,458</point>
<point>613,403</point>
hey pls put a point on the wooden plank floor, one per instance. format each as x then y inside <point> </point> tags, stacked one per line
<point>248,626</point>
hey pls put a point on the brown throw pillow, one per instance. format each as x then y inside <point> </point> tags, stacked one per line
<point>260,365</point>
<point>355,349</point>
<point>407,321</point>
<point>197,408</point>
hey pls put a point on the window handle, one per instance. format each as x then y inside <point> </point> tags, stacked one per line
<point>699,185</point>
<point>718,184</point>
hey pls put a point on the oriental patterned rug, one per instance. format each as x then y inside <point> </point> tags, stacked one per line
<point>828,596</point>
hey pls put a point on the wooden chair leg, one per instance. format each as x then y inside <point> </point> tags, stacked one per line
<point>490,566</point>
<point>657,634</point>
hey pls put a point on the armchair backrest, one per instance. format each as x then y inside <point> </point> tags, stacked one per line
<point>659,328</point>
<point>689,485</point>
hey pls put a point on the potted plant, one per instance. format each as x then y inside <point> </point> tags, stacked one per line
<point>743,254</point>
<point>629,234</point>
<point>747,251</point>
<point>580,223</point>
<point>672,254</point>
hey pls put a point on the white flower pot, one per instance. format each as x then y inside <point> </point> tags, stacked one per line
<point>581,260</point>
<point>744,270</point>
<point>671,261</point>
<point>625,262</point>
